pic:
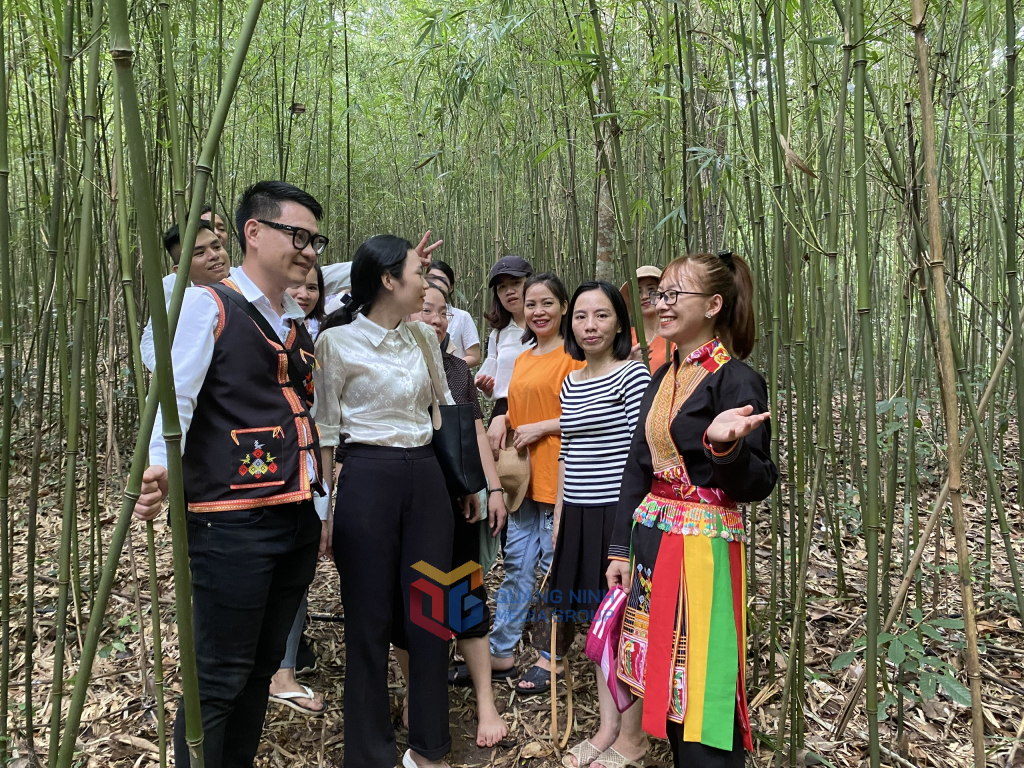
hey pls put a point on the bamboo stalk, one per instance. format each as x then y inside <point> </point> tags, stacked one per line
<point>56,232</point>
<point>869,499</point>
<point>122,54</point>
<point>948,378</point>
<point>7,342</point>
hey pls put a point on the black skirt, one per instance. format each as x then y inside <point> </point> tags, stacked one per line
<point>466,547</point>
<point>577,582</point>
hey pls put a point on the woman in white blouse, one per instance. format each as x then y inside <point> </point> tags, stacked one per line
<point>392,510</point>
<point>505,342</point>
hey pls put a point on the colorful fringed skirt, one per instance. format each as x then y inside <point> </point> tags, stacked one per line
<point>684,633</point>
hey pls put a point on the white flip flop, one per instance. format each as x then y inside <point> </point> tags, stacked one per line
<point>288,699</point>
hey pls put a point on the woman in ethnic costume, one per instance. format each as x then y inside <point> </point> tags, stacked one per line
<point>701,448</point>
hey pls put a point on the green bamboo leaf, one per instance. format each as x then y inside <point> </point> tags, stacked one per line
<point>897,653</point>
<point>928,685</point>
<point>843,660</point>
<point>955,689</point>
<point>830,40</point>
<point>557,145</point>
<point>948,623</point>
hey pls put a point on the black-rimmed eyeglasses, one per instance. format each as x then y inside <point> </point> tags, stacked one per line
<point>671,297</point>
<point>300,237</point>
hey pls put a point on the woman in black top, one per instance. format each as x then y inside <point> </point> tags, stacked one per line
<point>701,447</point>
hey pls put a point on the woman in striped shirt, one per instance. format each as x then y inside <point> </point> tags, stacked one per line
<point>600,405</point>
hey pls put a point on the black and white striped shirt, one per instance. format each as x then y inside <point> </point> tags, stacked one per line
<point>598,419</point>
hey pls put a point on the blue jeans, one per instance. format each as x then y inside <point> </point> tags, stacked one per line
<point>528,546</point>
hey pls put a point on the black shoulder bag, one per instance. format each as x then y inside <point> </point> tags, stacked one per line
<point>454,442</point>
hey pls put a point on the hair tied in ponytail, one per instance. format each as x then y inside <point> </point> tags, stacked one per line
<point>726,257</point>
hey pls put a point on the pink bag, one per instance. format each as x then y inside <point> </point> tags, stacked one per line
<point>603,644</point>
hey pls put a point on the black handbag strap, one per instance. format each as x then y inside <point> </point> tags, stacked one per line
<point>298,383</point>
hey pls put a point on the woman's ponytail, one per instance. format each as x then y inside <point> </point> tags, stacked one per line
<point>737,321</point>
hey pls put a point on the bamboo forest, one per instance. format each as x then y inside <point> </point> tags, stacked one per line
<point>861,156</point>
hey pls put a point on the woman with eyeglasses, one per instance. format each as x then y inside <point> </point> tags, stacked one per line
<point>658,348</point>
<point>473,642</point>
<point>700,450</point>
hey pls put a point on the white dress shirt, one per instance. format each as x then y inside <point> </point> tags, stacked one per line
<point>192,353</point>
<point>146,345</point>
<point>373,386</point>
<point>463,331</point>
<point>503,347</point>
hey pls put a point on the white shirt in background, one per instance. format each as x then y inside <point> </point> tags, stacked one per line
<point>503,347</point>
<point>463,332</point>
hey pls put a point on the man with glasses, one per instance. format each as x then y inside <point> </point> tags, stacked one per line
<point>243,365</point>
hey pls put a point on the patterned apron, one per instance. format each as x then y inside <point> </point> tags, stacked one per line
<point>684,633</point>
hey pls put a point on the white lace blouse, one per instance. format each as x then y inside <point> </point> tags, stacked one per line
<point>373,386</point>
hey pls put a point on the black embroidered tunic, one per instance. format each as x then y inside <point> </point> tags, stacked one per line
<point>745,474</point>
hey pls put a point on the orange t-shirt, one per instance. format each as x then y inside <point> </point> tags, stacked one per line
<point>532,397</point>
<point>657,351</point>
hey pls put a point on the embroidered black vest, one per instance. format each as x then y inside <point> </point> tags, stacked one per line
<point>247,444</point>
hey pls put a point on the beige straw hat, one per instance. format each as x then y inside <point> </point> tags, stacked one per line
<point>641,272</point>
<point>514,474</point>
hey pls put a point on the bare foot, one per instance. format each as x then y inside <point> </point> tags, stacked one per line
<point>491,728</point>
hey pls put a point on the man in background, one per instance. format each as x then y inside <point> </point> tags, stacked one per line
<point>210,264</point>
<point>217,223</point>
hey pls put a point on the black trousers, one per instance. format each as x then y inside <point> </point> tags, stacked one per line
<point>465,547</point>
<point>250,569</point>
<point>392,511</point>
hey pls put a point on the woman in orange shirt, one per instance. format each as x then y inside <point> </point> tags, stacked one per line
<point>533,412</point>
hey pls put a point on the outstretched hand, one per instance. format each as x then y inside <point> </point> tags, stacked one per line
<point>734,424</point>
<point>423,250</point>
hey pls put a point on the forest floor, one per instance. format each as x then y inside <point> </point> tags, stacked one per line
<point>119,722</point>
